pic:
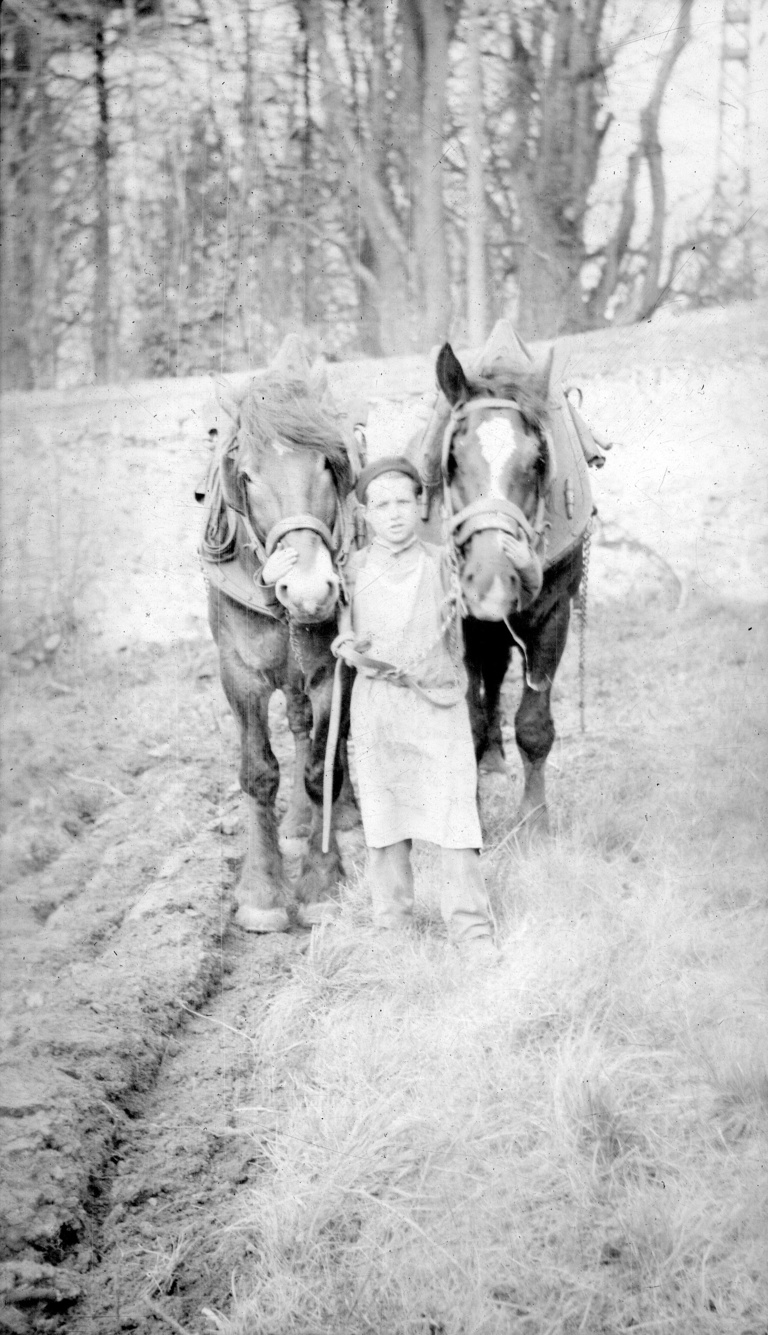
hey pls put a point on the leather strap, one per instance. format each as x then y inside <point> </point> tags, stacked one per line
<point>299,521</point>
<point>230,578</point>
<point>489,512</point>
<point>377,667</point>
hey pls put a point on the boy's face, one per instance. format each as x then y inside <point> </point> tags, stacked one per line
<point>391,508</point>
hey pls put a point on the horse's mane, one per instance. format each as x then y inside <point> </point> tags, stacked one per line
<point>526,388</point>
<point>282,408</point>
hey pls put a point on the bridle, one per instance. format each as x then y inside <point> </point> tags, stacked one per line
<point>336,540</point>
<point>492,512</point>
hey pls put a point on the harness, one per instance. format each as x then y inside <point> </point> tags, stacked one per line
<point>218,550</point>
<point>379,668</point>
<point>492,512</point>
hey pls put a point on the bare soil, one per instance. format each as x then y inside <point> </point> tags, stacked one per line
<point>120,849</point>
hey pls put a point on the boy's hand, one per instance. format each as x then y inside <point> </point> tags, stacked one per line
<point>516,550</point>
<point>347,641</point>
<point>278,564</point>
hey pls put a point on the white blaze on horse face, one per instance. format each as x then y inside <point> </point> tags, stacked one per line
<point>497,446</point>
<point>280,448</point>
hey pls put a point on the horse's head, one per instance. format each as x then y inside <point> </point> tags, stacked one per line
<point>495,466</point>
<point>288,472</point>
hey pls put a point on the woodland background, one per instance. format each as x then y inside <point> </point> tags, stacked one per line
<point>183,181</point>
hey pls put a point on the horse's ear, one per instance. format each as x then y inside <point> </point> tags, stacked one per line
<point>290,362</point>
<point>318,378</point>
<point>227,401</point>
<point>451,377</point>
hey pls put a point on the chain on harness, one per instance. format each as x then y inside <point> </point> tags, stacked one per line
<point>582,612</point>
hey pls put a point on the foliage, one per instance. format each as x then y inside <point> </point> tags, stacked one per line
<point>183,183</point>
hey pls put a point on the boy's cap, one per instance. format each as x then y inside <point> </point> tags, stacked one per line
<point>391,463</point>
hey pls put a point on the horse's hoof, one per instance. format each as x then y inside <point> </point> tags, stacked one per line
<point>262,920</point>
<point>314,915</point>
<point>493,761</point>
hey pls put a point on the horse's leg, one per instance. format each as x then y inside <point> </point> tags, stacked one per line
<point>346,815</point>
<point>545,639</point>
<point>249,656</point>
<point>317,887</point>
<point>534,734</point>
<point>487,652</point>
<point>495,666</point>
<point>473,660</point>
<point>298,817</point>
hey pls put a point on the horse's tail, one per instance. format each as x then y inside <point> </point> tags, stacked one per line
<point>219,539</point>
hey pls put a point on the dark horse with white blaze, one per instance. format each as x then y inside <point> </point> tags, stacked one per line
<point>508,455</point>
<point>283,473</point>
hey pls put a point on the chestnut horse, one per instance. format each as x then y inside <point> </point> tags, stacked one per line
<point>283,473</point>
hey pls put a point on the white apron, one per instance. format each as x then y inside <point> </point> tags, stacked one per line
<point>415,760</point>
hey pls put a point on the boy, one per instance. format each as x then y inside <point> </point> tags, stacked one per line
<point>414,755</point>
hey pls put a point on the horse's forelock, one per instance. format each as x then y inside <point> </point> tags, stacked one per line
<point>527,391</point>
<point>284,410</point>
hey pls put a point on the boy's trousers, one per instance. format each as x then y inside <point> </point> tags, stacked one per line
<point>463,899</point>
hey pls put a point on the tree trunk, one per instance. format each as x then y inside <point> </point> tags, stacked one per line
<point>101,327</point>
<point>250,116</point>
<point>16,266</point>
<point>432,23</point>
<point>384,248</point>
<point>41,196</point>
<point>477,292</point>
<point>651,148</point>
<point>557,163</point>
<point>550,268</point>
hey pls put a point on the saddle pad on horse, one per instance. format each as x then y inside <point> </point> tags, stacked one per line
<point>569,498</point>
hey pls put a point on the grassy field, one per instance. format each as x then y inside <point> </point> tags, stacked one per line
<point>576,1140</point>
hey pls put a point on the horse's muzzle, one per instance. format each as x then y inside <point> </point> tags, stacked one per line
<point>496,584</point>
<point>309,598</point>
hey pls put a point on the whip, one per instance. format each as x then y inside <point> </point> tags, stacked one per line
<point>330,753</point>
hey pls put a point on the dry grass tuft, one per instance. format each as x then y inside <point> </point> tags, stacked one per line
<point>575,1140</point>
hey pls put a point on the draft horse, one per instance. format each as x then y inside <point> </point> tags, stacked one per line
<point>507,454</point>
<point>283,473</point>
